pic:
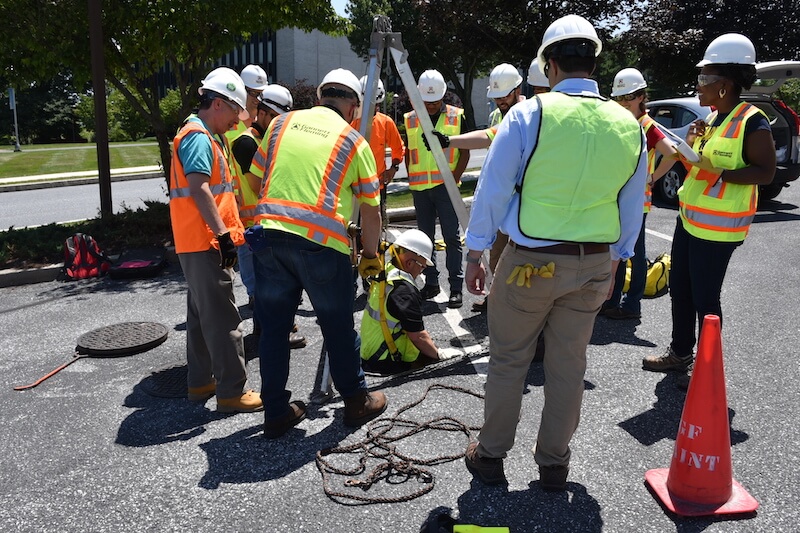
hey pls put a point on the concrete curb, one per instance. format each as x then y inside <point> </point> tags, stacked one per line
<point>34,185</point>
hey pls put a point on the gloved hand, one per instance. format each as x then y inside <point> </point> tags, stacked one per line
<point>444,140</point>
<point>370,266</point>
<point>227,251</point>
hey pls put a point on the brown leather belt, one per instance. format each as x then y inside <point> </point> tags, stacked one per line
<point>566,248</point>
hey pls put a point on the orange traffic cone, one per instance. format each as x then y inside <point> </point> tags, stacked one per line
<point>700,480</point>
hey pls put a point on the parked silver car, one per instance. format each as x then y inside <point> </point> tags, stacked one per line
<point>677,113</point>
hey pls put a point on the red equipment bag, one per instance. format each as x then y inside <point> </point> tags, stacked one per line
<point>83,258</point>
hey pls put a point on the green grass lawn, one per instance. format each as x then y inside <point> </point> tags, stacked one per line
<point>403,198</point>
<point>48,159</point>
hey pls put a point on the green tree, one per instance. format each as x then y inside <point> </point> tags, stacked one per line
<point>671,36</point>
<point>140,37</point>
<point>464,39</point>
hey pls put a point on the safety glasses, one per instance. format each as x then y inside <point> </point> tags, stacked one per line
<point>255,93</point>
<point>625,98</point>
<point>708,79</point>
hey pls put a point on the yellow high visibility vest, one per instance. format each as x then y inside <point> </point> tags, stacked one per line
<point>720,211</point>
<point>422,170</point>
<point>246,197</point>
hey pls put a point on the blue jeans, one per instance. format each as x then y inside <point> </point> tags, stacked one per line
<point>285,265</point>
<point>246,270</point>
<point>695,283</point>
<point>633,298</point>
<point>429,204</point>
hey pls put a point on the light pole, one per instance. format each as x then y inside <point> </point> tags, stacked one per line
<point>13,105</point>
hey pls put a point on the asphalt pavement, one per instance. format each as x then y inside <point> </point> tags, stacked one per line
<point>91,449</point>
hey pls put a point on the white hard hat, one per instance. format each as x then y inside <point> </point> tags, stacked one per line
<point>416,241</point>
<point>536,77</point>
<point>380,96</point>
<point>567,28</point>
<point>730,48</point>
<point>254,77</point>
<point>278,98</point>
<point>431,86</point>
<point>342,77</point>
<point>627,81</point>
<point>229,85</point>
<point>503,79</point>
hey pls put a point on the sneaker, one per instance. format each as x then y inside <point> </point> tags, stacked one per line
<point>667,362</point>
<point>430,291</point>
<point>456,300</point>
<point>480,307</point>
<point>682,382</point>
<point>296,341</point>
<point>489,471</point>
<point>247,402</point>
<point>277,427</point>
<point>363,407</point>
<point>618,313</point>
<point>553,478</point>
<point>201,394</point>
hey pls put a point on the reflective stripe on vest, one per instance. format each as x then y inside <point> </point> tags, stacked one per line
<point>587,150</point>
<point>647,124</point>
<point>324,220</point>
<point>246,197</point>
<point>423,172</point>
<point>711,208</point>
<point>373,343</point>
<point>190,231</point>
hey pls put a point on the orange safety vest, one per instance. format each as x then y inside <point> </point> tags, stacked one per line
<point>384,134</point>
<point>314,166</point>
<point>647,123</point>
<point>190,231</point>
<point>422,170</point>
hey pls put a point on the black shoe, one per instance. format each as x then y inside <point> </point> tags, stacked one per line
<point>489,471</point>
<point>682,381</point>
<point>296,341</point>
<point>429,291</point>
<point>618,313</point>
<point>455,301</point>
<point>553,478</point>
<point>481,307</point>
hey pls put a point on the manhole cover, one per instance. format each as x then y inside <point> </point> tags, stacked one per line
<point>167,383</point>
<point>125,338</point>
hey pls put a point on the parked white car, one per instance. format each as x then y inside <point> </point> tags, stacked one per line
<point>677,113</point>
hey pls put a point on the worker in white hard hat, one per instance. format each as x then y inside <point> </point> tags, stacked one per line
<point>564,179</point>
<point>629,91</point>
<point>719,197</point>
<point>275,100</point>
<point>393,335</point>
<point>536,78</point>
<point>504,88</point>
<point>384,136</point>
<point>255,80</point>
<point>431,199</point>
<point>207,230</point>
<point>313,166</point>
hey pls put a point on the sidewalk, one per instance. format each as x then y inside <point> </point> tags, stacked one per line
<point>66,179</point>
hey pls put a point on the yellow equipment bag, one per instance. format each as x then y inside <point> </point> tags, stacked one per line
<point>657,281</point>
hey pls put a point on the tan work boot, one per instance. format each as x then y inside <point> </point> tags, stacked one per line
<point>667,362</point>
<point>201,394</point>
<point>247,402</point>
<point>363,407</point>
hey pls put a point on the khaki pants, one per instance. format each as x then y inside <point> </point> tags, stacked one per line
<point>214,344</point>
<point>564,307</point>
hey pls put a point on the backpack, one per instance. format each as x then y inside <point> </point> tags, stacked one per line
<point>83,258</point>
<point>657,281</point>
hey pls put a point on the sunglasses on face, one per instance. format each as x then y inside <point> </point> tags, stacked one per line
<point>708,79</point>
<point>255,93</point>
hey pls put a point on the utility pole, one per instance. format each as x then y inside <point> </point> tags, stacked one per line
<point>100,114</point>
<point>12,103</point>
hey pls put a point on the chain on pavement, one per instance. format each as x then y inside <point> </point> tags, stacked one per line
<point>394,467</point>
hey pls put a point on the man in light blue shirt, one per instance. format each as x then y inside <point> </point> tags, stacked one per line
<point>564,178</point>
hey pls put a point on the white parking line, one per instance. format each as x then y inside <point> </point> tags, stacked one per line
<point>659,235</point>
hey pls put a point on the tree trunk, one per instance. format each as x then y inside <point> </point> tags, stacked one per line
<point>164,149</point>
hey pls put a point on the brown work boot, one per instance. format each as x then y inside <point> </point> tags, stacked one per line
<point>363,407</point>
<point>294,415</point>
<point>488,470</point>
<point>296,341</point>
<point>247,402</point>
<point>667,362</point>
<point>201,394</point>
